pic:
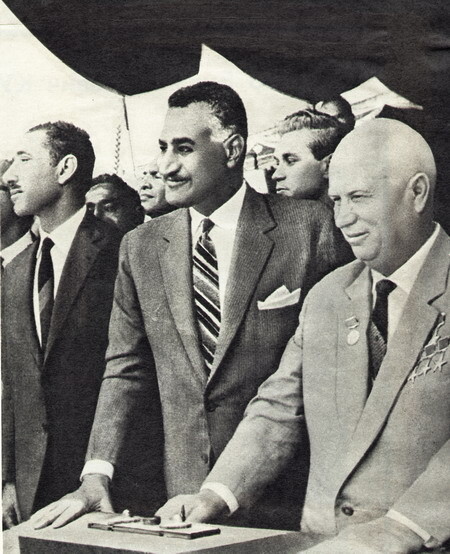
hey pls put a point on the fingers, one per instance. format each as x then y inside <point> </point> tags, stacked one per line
<point>207,506</point>
<point>172,508</point>
<point>59,513</point>
<point>73,511</point>
<point>10,519</point>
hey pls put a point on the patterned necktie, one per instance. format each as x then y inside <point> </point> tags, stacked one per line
<point>378,327</point>
<point>206,292</point>
<point>46,284</point>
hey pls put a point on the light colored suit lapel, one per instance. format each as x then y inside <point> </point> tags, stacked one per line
<point>251,249</point>
<point>417,321</point>
<point>175,255</point>
<point>352,362</point>
<point>82,254</point>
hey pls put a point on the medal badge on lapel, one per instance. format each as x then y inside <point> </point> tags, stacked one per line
<point>352,325</point>
<point>432,356</point>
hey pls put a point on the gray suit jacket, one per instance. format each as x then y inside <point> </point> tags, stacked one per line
<point>154,341</point>
<point>391,451</point>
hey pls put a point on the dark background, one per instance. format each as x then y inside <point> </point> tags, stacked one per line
<point>310,49</point>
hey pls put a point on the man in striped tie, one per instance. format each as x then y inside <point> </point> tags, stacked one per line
<point>57,296</point>
<point>206,299</point>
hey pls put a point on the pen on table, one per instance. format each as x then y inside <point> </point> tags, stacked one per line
<point>183,513</point>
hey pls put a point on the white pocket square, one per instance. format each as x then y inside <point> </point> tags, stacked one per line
<point>280,298</point>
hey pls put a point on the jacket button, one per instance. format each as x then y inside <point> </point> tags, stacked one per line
<point>45,427</point>
<point>210,407</point>
<point>347,510</point>
<point>205,458</point>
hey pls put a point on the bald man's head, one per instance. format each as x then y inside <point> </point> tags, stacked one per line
<point>382,178</point>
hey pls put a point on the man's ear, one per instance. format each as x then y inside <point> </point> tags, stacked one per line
<point>420,187</point>
<point>66,168</point>
<point>235,148</point>
<point>325,165</point>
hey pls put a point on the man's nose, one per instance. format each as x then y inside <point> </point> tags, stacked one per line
<point>167,164</point>
<point>278,174</point>
<point>10,176</point>
<point>98,212</point>
<point>344,215</point>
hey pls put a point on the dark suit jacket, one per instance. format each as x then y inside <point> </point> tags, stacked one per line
<point>49,398</point>
<point>390,450</point>
<point>154,339</point>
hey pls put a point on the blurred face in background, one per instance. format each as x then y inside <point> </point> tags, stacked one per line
<point>152,192</point>
<point>110,206</point>
<point>298,174</point>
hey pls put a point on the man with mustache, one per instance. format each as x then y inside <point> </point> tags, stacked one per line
<point>57,297</point>
<point>205,301</point>
<point>376,398</point>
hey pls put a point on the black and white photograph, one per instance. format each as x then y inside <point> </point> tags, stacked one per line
<point>225,276</point>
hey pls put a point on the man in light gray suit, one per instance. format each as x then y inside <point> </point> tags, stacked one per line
<point>368,369</point>
<point>206,299</point>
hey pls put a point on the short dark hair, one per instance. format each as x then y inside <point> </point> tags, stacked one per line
<point>65,138</point>
<point>344,114</point>
<point>327,130</point>
<point>225,103</point>
<point>122,189</point>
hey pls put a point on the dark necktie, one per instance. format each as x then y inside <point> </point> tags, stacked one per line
<point>378,326</point>
<point>46,284</point>
<point>206,292</point>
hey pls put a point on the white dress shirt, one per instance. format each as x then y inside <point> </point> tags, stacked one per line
<point>11,251</point>
<point>62,238</point>
<point>404,277</point>
<point>223,233</point>
<point>225,220</point>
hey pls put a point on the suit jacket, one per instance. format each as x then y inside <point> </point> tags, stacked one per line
<point>154,342</point>
<point>390,450</point>
<point>49,397</point>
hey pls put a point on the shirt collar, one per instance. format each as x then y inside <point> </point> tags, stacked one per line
<point>64,234</point>
<point>226,216</point>
<point>405,275</point>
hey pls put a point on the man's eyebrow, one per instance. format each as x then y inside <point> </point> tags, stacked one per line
<point>181,140</point>
<point>22,152</point>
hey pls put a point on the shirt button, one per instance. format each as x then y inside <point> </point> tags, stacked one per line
<point>347,510</point>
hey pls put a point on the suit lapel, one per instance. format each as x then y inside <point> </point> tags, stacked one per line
<point>417,321</point>
<point>175,255</point>
<point>251,250</point>
<point>351,388</point>
<point>82,254</point>
<point>24,288</point>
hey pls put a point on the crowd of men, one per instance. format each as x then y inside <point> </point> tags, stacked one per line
<point>229,355</point>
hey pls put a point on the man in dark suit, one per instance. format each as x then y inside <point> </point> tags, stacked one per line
<point>57,297</point>
<point>205,301</point>
<point>368,368</point>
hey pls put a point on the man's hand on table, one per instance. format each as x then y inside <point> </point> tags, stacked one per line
<point>10,505</point>
<point>199,508</point>
<point>93,495</point>
<point>380,536</point>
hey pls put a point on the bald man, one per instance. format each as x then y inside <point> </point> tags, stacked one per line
<point>367,369</point>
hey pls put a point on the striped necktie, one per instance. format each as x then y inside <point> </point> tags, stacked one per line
<point>378,326</point>
<point>46,284</point>
<point>206,292</point>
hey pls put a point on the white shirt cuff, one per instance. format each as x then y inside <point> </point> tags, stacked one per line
<point>98,466</point>
<point>225,494</point>
<point>428,540</point>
